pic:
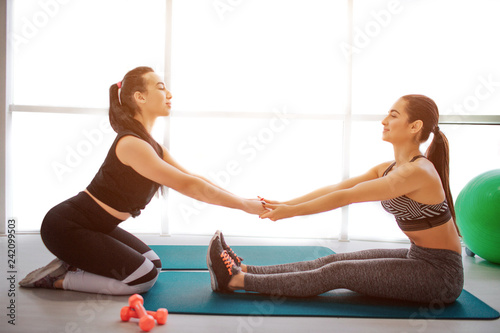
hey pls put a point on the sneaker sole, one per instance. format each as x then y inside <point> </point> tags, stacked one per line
<point>213,279</point>
<point>31,278</point>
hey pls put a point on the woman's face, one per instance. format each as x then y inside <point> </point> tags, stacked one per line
<point>157,97</point>
<point>396,125</point>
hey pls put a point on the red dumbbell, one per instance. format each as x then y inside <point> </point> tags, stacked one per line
<point>160,315</point>
<point>136,310</point>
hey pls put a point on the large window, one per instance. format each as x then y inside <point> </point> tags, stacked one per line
<point>65,55</point>
<point>259,99</point>
<point>425,47</point>
<point>270,97</point>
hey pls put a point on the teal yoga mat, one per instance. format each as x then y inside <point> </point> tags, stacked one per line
<point>189,292</point>
<point>187,257</point>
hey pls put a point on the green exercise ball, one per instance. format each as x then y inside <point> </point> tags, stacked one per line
<point>477,211</point>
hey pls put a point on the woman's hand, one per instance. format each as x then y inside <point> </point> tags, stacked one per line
<point>254,206</point>
<point>275,202</point>
<point>277,212</point>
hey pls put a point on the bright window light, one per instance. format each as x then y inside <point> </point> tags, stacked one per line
<point>424,47</point>
<point>68,53</point>
<point>277,159</point>
<point>258,54</point>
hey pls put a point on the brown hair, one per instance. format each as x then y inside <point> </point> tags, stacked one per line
<point>420,107</point>
<point>123,108</point>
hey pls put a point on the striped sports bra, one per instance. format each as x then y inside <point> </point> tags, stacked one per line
<point>412,215</point>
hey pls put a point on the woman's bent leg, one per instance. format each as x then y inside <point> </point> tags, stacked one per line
<point>109,261</point>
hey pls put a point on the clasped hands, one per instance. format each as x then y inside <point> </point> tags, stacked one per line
<point>275,210</point>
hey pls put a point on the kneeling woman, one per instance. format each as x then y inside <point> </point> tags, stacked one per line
<point>414,188</point>
<point>93,253</point>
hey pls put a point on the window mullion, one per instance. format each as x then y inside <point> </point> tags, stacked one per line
<point>164,222</point>
<point>5,118</point>
<point>344,227</point>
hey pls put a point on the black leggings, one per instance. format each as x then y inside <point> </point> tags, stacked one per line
<point>108,259</point>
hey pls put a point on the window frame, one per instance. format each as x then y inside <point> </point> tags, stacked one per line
<point>5,118</point>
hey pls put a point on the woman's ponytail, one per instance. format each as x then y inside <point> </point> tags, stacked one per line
<point>420,107</point>
<point>439,154</point>
<point>119,117</point>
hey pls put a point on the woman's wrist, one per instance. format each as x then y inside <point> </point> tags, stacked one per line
<point>297,209</point>
<point>248,205</point>
<point>245,205</point>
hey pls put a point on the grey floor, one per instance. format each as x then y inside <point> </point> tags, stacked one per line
<point>53,311</point>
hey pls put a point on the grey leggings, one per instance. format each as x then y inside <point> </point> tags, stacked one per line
<point>416,274</point>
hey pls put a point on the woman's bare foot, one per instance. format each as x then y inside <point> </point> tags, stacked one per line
<point>59,284</point>
<point>237,282</point>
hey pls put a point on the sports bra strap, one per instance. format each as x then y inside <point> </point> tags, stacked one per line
<point>388,169</point>
<point>394,163</point>
<point>417,157</point>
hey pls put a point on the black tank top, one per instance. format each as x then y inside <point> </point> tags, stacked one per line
<point>121,187</point>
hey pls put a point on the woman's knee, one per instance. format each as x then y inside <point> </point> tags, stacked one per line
<point>144,274</point>
<point>154,258</point>
<point>145,283</point>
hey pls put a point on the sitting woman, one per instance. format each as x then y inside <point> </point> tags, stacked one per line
<point>93,253</point>
<point>414,188</point>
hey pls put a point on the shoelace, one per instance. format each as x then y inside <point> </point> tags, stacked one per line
<point>234,255</point>
<point>228,261</point>
<point>229,250</point>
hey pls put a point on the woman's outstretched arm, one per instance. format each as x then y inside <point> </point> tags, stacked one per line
<point>167,157</point>
<point>141,157</point>
<point>399,182</point>
<point>373,173</point>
